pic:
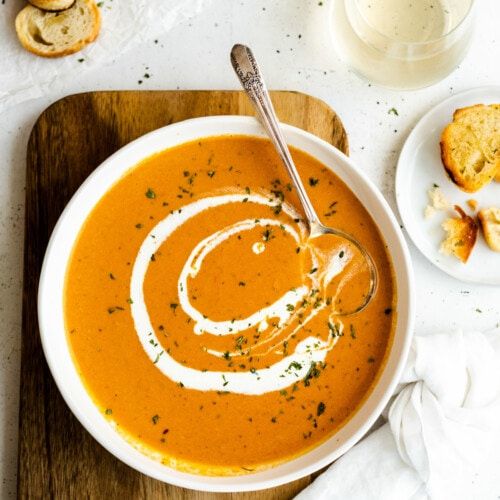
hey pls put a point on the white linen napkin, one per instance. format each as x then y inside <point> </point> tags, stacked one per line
<point>125,24</point>
<point>440,426</point>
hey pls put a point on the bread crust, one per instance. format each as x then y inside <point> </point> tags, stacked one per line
<point>23,17</point>
<point>52,5</point>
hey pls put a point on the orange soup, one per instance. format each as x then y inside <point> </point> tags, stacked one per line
<point>199,314</point>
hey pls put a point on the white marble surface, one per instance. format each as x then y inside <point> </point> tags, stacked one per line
<point>292,42</point>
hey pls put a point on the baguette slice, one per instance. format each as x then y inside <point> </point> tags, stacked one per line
<point>490,223</point>
<point>461,236</point>
<point>52,5</point>
<point>470,146</point>
<point>56,34</point>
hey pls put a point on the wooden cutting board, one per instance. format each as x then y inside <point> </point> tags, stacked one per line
<point>57,457</point>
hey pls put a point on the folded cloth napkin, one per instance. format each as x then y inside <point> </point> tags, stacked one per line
<point>440,428</point>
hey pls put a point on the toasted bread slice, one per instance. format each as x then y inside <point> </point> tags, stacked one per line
<point>56,34</point>
<point>52,5</point>
<point>461,236</point>
<point>490,224</point>
<point>470,146</point>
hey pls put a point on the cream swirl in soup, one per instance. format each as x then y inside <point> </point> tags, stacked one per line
<point>284,310</point>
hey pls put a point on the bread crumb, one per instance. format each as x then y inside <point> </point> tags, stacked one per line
<point>472,204</point>
<point>438,201</point>
<point>490,224</point>
<point>429,212</point>
<point>461,236</point>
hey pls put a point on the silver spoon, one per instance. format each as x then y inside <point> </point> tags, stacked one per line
<point>248,72</point>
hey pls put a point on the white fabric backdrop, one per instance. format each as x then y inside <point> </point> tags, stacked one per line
<point>125,23</point>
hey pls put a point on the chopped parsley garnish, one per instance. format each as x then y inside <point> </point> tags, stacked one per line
<point>155,419</point>
<point>173,306</point>
<point>150,194</point>
<point>108,411</point>
<point>321,409</point>
<point>393,111</point>
<point>211,173</point>
<point>353,332</point>
<point>312,372</point>
<point>113,309</point>
<point>267,235</point>
<point>313,181</point>
<point>157,358</point>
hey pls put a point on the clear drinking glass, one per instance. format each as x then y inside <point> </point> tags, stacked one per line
<point>403,44</point>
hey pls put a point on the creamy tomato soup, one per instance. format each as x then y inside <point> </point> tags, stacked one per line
<point>204,323</point>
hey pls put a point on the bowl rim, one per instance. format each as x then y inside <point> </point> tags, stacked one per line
<point>51,293</point>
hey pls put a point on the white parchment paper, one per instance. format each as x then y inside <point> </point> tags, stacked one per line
<point>125,24</point>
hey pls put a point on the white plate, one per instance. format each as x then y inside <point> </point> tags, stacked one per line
<point>419,167</point>
<point>51,291</point>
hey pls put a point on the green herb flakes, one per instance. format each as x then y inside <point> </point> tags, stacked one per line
<point>321,409</point>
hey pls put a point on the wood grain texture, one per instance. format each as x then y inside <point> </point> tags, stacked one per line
<point>57,457</point>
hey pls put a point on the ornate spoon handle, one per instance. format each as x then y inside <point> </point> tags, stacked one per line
<point>246,68</point>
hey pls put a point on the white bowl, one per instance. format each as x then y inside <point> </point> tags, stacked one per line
<point>51,291</point>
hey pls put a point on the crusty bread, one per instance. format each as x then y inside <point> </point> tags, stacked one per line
<point>56,34</point>
<point>490,223</point>
<point>470,146</point>
<point>461,236</point>
<point>52,5</point>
